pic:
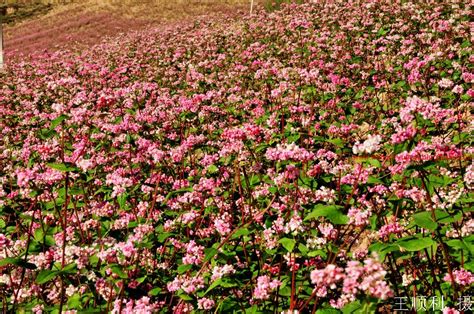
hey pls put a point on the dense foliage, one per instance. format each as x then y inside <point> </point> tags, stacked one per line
<point>317,158</point>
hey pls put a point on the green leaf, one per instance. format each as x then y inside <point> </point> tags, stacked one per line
<point>359,94</point>
<point>141,279</point>
<point>184,268</point>
<point>132,224</point>
<point>74,302</point>
<point>117,269</point>
<point>185,297</point>
<point>69,269</point>
<point>240,232</point>
<point>154,291</point>
<point>414,245</point>
<point>162,237</point>
<point>57,121</point>
<point>457,244</point>
<point>45,275</point>
<point>328,311</point>
<point>424,220</point>
<point>337,142</point>
<point>331,212</point>
<point>61,167</point>
<point>226,283</point>
<point>469,266</point>
<point>213,285</point>
<point>317,253</point>
<point>353,307</point>
<point>288,244</point>
<point>303,249</point>
<point>8,260</point>
<point>382,31</point>
<point>210,253</point>
<point>285,291</point>
<point>212,169</point>
<point>46,134</point>
<point>464,244</point>
<point>293,138</point>
<point>122,200</point>
<point>383,249</point>
<point>466,44</point>
<point>17,262</point>
<point>75,190</point>
<point>252,310</point>
<point>444,217</point>
<point>374,162</point>
<point>374,180</point>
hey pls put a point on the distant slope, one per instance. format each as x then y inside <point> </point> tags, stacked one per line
<point>82,23</point>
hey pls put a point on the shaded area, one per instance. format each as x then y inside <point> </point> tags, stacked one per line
<point>18,12</point>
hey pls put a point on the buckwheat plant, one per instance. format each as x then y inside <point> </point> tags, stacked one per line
<point>317,158</point>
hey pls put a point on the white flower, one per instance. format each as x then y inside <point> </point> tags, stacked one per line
<point>445,83</point>
<point>407,279</point>
<point>370,145</point>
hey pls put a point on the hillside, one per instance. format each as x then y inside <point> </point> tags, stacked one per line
<point>313,159</point>
<point>77,24</point>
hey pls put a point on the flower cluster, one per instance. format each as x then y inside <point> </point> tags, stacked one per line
<point>355,278</point>
<point>461,277</point>
<point>264,286</point>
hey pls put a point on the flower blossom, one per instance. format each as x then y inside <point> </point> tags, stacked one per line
<point>264,286</point>
<point>369,146</point>
<point>461,276</point>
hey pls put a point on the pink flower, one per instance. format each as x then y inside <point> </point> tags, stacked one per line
<point>38,309</point>
<point>445,83</point>
<point>358,217</point>
<point>288,152</point>
<point>295,225</point>
<point>469,176</point>
<point>222,224</point>
<point>219,272</point>
<point>205,304</point>
<point>194,253</point>
<point>128,249</point>
<point>393,228</point>
<point>85,164</point>
<point>403,134</point>
<point>458,89</point>
<point>4,242</point>
<point>23,177</point>
<point>327,277</point>
<point>188,284</point>
<point>355,278</point>
<point>264,286</point>
<point>462,277</point>
<point>448,310</point>
<point>328,231</point>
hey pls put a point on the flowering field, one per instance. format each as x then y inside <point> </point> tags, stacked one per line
<point>77,24</point>
<point>313,159</point>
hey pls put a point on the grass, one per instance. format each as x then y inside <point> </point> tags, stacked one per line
<point>148,9</point>
<point>272,5</point>
<point>37,25</point>
<point>34,25</point>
